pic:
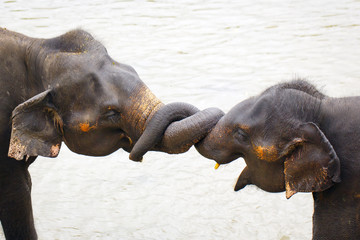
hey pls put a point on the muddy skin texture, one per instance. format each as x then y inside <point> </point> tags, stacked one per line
<point>68,89</point>
<point>293,138</point>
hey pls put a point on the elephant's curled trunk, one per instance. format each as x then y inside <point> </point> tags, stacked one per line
<point>165,132</point>
<point>181,135</point>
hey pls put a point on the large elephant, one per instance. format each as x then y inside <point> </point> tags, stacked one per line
<point>69,89</point>
<point>293,138</point>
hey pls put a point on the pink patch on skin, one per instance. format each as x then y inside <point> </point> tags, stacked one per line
<point>54,151</point>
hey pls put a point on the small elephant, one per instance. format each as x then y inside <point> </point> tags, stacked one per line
<point>293,138</point>
<point>68,89</point>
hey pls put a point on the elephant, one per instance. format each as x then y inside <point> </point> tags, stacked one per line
<point>294,138</point>
<point>68,89</point>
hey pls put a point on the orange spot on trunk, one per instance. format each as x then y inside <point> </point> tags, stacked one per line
<point>85,127</point>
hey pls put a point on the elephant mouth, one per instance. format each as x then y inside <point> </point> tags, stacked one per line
<point>126,142</point>
<point>222,160</point>
<point>239,183</point>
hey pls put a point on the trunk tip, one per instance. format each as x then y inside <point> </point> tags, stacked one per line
<point>135,158</point>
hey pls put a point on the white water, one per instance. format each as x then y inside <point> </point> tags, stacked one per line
<point>208,53</point>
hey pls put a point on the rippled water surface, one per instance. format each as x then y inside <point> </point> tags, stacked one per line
<point>208,53</point>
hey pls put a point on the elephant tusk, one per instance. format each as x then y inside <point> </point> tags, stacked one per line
<point>130,141</point>
<point>217,166</point>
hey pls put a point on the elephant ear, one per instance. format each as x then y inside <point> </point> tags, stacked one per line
<point>311,163</point>
<point>34,128</point>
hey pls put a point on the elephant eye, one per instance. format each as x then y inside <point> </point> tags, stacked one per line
<point>111,114</point>
<point>241,136</point>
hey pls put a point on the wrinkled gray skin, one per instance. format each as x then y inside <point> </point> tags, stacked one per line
<point>68,89</point>
<point>293,138</point>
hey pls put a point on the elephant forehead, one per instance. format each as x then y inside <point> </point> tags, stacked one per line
<point>266,153</point>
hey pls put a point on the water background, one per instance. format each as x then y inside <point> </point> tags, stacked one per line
<point>208,53</point>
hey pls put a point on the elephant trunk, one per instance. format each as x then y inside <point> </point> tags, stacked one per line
<point>179,136</point>
<point>212,146</point>
<point>143,104</point>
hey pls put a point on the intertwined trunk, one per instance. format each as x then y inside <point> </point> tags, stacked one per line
<point>171,128</point>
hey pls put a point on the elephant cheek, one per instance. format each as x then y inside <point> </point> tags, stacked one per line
<point>268,176</point>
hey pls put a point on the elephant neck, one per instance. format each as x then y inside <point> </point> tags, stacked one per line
<point>27,79</point>
<point>308,108</point>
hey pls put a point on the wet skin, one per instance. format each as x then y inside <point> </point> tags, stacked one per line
<point>293,138</point>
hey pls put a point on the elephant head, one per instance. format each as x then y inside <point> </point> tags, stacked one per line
<point>278,135</point>
<point>95,105</point>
